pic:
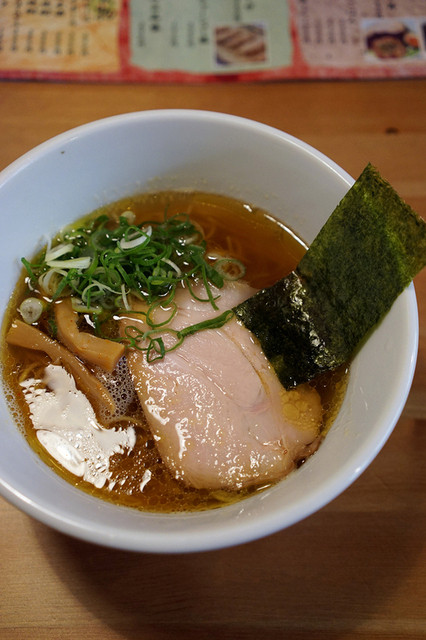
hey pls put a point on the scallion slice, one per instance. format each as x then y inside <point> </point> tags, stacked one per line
<point>104,263</point>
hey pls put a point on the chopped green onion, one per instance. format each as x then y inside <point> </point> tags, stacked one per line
<point>45,280</point>
<point>124,297</point>
<point>58,251</point>
<point>78,306</point>
<point>135,240</point>
<point>149,319</point>
<point>104,263</point>
<point>31,310</point>
<point>29,268</point>
<point>213,323</point>
<point>173,265</point>
<point>72,263</point>
<point>152,342</point>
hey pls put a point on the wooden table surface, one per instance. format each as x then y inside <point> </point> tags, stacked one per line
<point>356,569</point>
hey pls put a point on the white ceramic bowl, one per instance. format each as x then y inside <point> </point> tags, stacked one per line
<point>97,163</point>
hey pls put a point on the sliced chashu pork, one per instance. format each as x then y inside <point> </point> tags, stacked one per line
<point>219,415</point>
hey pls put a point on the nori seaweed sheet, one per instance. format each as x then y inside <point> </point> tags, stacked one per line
<point>367,252</point>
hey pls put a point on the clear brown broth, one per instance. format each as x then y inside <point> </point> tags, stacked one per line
<point>269,251</point>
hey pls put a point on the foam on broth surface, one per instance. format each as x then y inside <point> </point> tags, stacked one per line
<point>139,478</point>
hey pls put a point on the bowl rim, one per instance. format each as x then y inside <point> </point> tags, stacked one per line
<point>164,114</point>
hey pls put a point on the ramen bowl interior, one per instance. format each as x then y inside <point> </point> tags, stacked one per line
<point>95,164</point>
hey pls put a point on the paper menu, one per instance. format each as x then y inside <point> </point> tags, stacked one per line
<point>211,40</point>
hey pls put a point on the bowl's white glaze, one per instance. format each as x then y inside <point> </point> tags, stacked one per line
<point>84,168</point>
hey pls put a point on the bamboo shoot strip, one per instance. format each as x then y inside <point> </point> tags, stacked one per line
<point>367,252</point>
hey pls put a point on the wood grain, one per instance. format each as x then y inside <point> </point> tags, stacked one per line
<point>354,571</point>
